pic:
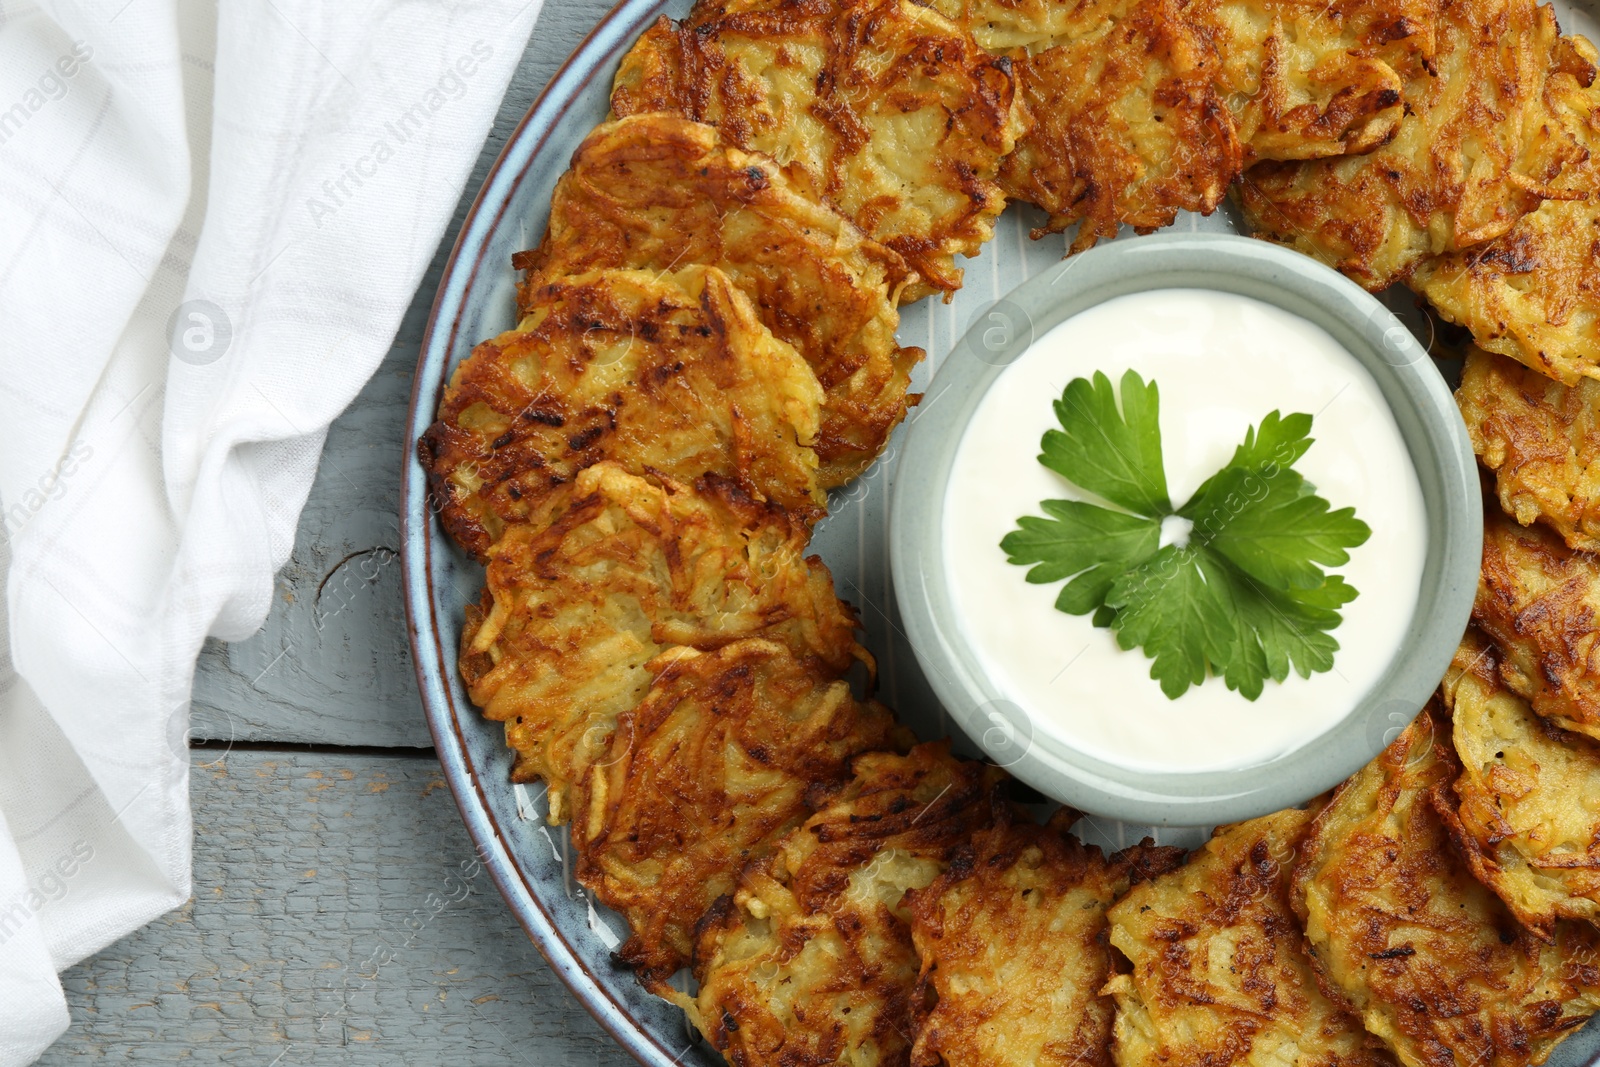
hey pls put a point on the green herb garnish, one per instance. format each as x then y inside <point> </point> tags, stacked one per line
<point>1245,596</point>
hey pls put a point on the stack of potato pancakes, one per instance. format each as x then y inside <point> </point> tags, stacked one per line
<point>707,346</point>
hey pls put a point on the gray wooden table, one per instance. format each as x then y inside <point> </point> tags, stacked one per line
<point>339,914</point>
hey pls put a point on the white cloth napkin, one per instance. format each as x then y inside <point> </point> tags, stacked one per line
<point>211,222</point>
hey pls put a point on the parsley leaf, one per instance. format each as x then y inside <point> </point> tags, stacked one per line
<point>1115,455</point>
<point>1168,607</point>
<point>1276,630</point>
<point>1277,443</point>
<point>1092,543</point>
<point>1273,526</point>
<point>1245,598</point>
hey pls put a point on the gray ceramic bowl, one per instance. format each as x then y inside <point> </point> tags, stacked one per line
<point>1428,422</point>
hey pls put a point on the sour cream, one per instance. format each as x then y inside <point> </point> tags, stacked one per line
<point>1222,362</point>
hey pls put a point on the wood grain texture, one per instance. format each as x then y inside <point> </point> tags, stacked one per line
<point>331,664</point>
<point>340,916</point>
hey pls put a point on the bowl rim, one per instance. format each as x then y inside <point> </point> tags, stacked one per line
<point>1433,432</point>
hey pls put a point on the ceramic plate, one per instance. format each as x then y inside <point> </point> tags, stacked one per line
<point>529,861</point>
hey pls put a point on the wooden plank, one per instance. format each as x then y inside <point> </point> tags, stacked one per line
<point>310,871</point>
<point>331,664</point>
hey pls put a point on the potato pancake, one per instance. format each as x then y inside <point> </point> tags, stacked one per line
<point>703,776</point>
<point>669,374</point>
<point>883,107</point>
<point>658,192</point>
<point>1534,292</point>
<point>1398,926</point>
<point>811,961</point>
<point>1220,972</point>
<point>1539,601</point>
<point>1304,79</point>
<point>1541,439</point>
<point>615,571</point>
<point>1145,107</point>
<point>1013,946</point>
<point>1529,792</point>
<point>1479,147</point>
<point>1126,125</point>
